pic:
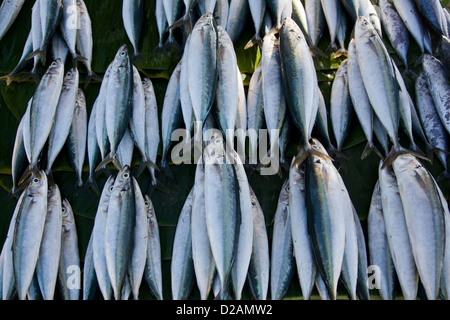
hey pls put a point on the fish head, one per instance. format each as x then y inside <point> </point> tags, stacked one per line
<point>67,215</point>
<point>81,100</point>
<point>71,78</point>
<point>148,86</point>
<point>149,207</point>
<point>38,184</point>
<point>363,27</point>
<point>406,162</point>
<point>316,145</point>
<point>285,192</point>
<point>122,58</point>
<point>297,174</point>
<point>56,67</point>
<point>124,180</point>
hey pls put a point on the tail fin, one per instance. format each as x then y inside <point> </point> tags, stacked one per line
<point>110,158</point>
<point>171,43</point>
<point>341,159</point>
<point>32,169</point>
<point>138,57</point>
<point>156,184</point>
<point>146,162</point>
<point>166,169</point>
<point>77,57</point>
<point>91,75</point>
<point>184,21</point>
<point>398,151</point>
<point>305,152</point>
<point>369,148</point>
<point>8,78</point>
<point>255,40</point>
<point>444,176</point>
<point>93,184</point>
<point>340,53</point>
<point>39,52</point>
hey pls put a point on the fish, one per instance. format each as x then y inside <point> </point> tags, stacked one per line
<point>50,249</point>
<point>139,255</point>
<point>395,30</point>
<point>152,134</point>
<point>341,106</point>
<point>413,20</point>
<point>397,233</point>
<point>299,16</point>
<point>85,42</point>
<point>120,225</point>
<point>439,87</point>
<point>100,123</point>
<point>276,7</point>
<point>222,211</point>
<point>69,27</point>
<point>241,116</point>
<point>172,10</point>
<point>185,96</point>
<point>63,117</point>
<point>153,268</point>
<point>90,286</point>
<point>332,10</point>
<point>245,242</point>
<point>304,257</point>
<point>257,11</point>
<point>36,36</point>
<point>255,112</point>
<point>202,70</point>
<point>59,47</point>
<point>273,91</point>
<point>119,95</point>
<point>161,22</point>
<point>238,13</point>
<point>182,267</point>
<point>133,18</point>
<point>19,158</point>
<point>282,266</point>
<point>70,284</point>
<point>50,15</point>
<point>322,122</point>
<point>444,53</point>
<point>98,241</point>
<point>300,83</point>
<point>26,130</point>
<point>28,232</point>
<point>362,288</point>
<point>316,20</point>
<point>226,102</point>
<point>360,100</point>
<point>325,212</point>
<point>7,278</point>
<point>378,245</point>
<point>202,256</point>
<point>23,61</point>
<point>77,138</point>
<point>221,12</point>
<point>384,97</point>
<point>259,269</point>
<point>433,12</point>
<point>426,230</point>
<point>93,149</point>
<point>431,123</point>
<point>9,10</point>
<point>171,116</point>
<point>43,109</point>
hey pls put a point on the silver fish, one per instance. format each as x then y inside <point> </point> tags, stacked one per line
<point>316,20</point>
<point>93,149</point>
<point>433,12</point>
<point>120,225</point>
<point>185,96</point>
<point>306,266</point>
<point>182,267</point>
<point>77,138</point>
<point>50,249</point>
<point>133,17</point>
<point>90,285</point>
<point>161,21</point>
<point>28,232</point>
<point>397,234</point>
<point>63,117</point>
<point>9,10</point>
<point>19,157</point>
<point>282,266</point>
<point>237,15</point>
<point>70,284</point>
<point>378,245</point>
<point>153,268</point>
<point>152,126</point>
<point>202,256</point>
<point>98,244</point>
<point>100,113</point>
<point>59,47</point>
<point>257,10</point>
<point>424,215</point>
<point>332,10</point>
<point>68,26</point>
<point>23,61</point>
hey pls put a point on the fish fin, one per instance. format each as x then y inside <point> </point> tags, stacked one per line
<point>160,48</point>
<point>305,152</point>
<point>138,57</point>
<point>341,159</point>
<point>398,151</point>
<point>28,172</point>
<point>154,184</point>
<point>77,57</point>
<point>332,47</point>
<point>184,21</point>
<point>8,78</point>
<point>340,53</point>
<point>166,169</point>
<point>171,43</point>
<point>368,149</point>
<point>444,176</point>
<point>110,158</point>
<point>93,184</point>
<point>91,76</point>
<point>255,40</point>
<point>38,52</point>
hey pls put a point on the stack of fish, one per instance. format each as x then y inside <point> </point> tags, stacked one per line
<point>221,238</point>
<point>313,199</point>
<point>124,246</point>
<point>408,232</point>
<point>41,247</point>
<point>66,27</point>
<point>56,114</point>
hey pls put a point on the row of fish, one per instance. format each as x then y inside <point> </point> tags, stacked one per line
<point>63,25</point>
<point>124,246</point>
<point>40,256</point>
<point>408,233</point>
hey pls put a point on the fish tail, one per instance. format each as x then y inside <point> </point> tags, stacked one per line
<point>30,171</point>
<point>160,48</point>
<point>171,43</point>
<point>444,176</point>
<point>166,169</point>
<point>184,21</point>
<point>341,159</point>
<point>255,40</point>
<point>398,151</point>
<point>154,184</point>
<point>340,53</point>
<point>368,150</point>
<point>91,76</point>
<point>138,57</point>
<point>110,158</point>
<point>305,152</point>
<point>8,79</point>
<point>93,184</point>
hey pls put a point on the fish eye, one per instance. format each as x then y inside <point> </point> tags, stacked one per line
<point>111,188</point>
<point>146,203</point>
<point>123,53</point>
<point>35,180</point>
<point>126,175</point>
<point>69,74</point>
<point>63,210</point>
<point>54,64</point>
